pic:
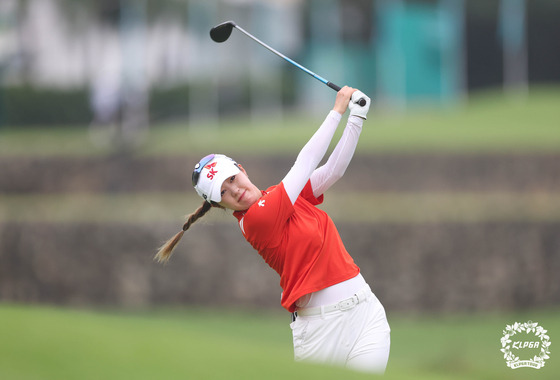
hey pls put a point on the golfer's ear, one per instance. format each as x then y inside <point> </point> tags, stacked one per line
<point>241,168</point>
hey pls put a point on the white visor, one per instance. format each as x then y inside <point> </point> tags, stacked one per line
<point>212,175</point>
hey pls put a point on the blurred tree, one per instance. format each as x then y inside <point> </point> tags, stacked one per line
<point>512,29</point>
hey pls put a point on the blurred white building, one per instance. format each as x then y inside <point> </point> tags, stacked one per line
<point>124,48</point>
<point>129,46</point>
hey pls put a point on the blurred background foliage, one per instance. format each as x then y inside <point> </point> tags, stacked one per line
<point>459,47</point>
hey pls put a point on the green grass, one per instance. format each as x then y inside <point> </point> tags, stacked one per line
<point>488,122</point>
<point>55,343</point>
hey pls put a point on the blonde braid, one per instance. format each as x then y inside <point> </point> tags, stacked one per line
<point>165,251</point>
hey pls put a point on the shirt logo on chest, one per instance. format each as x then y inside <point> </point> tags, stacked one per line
<point>261,203</point>
<point>241,225</point>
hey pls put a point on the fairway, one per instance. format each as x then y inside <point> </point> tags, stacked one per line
<point>57,343</point>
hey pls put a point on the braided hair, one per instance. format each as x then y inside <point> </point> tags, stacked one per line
<point>165,251</point>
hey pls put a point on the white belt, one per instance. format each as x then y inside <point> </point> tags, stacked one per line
<point>343,305</point>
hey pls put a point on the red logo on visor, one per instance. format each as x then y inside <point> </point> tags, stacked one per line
<point>211,172</point>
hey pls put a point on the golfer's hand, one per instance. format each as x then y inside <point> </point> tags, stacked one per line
<point>355,108</point>
<point>343,99</point>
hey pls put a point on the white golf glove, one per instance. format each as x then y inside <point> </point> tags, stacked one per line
<point>355,108</point>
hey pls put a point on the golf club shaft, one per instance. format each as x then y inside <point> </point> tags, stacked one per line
<point>318,77</point>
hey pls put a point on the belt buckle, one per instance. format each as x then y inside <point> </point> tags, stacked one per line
<point>347,304</point>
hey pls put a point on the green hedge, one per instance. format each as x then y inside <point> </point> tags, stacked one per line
<point>169,103</point>
<point>32,106</point>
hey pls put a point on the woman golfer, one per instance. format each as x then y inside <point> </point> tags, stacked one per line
<point>336,317</point>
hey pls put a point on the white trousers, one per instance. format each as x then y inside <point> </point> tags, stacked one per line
<point>357,338</point>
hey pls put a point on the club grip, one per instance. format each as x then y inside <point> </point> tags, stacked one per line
<point>333,86</point>
<point>362,102</point>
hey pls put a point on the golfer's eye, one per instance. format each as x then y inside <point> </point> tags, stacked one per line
<point>232,178</point>
<point>223,192</point>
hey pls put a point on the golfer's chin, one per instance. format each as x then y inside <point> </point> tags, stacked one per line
<point>247,201</point>
<point>237,205</point>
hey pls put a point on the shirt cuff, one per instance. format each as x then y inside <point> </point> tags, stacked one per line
<point>356,120</point>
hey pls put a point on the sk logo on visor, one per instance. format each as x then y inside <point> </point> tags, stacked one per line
<point>211,172</point>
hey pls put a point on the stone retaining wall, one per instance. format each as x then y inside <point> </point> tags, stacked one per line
<point>411,267</point>
<point>519,172</point>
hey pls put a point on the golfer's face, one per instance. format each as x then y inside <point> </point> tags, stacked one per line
<point>239,193</point>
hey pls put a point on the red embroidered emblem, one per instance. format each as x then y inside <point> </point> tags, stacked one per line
<point>211,172</point>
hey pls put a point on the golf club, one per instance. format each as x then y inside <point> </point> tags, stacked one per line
<point>221,33</point>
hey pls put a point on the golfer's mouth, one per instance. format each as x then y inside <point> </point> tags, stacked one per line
<point>242,195</point>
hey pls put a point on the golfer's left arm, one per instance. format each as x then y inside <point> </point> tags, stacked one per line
<point>312,153</point>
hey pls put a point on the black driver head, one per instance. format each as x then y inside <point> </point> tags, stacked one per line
<point>221,32</point>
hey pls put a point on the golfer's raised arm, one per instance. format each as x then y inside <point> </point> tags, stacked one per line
<point>311,154</point>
